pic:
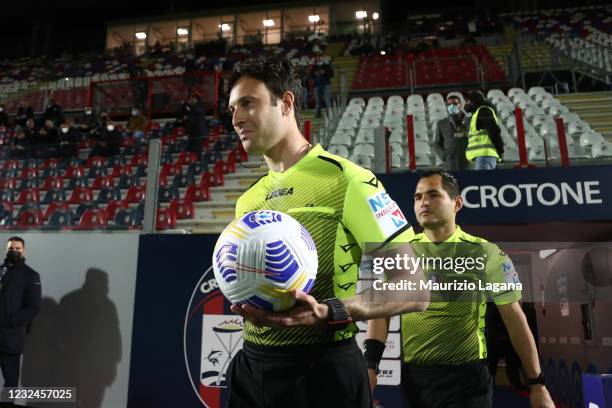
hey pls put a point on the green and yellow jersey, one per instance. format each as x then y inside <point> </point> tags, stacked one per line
<point>343,207</point>
<point>451,330</point>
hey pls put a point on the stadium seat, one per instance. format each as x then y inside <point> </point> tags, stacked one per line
<point>124,219</point>
<point>108,194</point>
<point>135,194</point>
<point>27,196</point>
<point>6,214</point>
<point>166,219</point>
<point>184,210</point>
<point>74,171</point>
<point>53,182</point>
<point>340,150</point>
<point>60,219</point>
<point>30,218</point>
<point>81,208</point>
<point>103,181</point>
<point>91,219</point>
<point>183,180</point>
<point>54,195</point>
<point>29,183</point>
<point>601,149</point>
<point>127,181</point>
<point>168,194</point>
<point>96,171</point>
<point>81,195</point>
<point>198,193</point>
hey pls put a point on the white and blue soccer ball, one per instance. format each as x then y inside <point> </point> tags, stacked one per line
<point>262,256</point>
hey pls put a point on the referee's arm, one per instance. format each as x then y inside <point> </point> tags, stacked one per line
<point>376,303</point>
<point>525,346</point>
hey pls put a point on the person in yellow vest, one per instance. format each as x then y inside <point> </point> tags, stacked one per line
<point>444,347</point>
<point>485,146</point>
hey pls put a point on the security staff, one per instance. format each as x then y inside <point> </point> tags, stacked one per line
<point>19,304</point>
<point>485,145</point>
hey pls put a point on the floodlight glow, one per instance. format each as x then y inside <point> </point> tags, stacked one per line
<point>268,23</point>
<point>141,35</point>
<point>361,14</point>
<point>375,16</point>
<point>225,27</point>
<point>314,19</point>
<point>182,31</point>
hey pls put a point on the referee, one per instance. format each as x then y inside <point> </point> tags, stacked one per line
<point>307,357</point>
<point>444,347</point>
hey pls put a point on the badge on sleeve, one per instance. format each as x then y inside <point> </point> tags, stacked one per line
<point>387,213</point>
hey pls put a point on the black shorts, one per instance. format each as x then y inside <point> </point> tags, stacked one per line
<point>329,375</point>
<point>463,386</point>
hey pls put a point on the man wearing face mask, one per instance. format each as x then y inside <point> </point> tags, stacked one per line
<point>108,142</point>
<point>20,299</point>
<point>451,135</point>
<point>68,138</point>
<point>485,145</point>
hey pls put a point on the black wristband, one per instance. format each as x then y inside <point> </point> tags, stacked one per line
<point>373,352</point>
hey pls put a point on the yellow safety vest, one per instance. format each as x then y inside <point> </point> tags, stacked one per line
<point>479,142</point>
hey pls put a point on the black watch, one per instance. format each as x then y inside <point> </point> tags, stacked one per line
<point>338,317</point>
<point>539,380</point>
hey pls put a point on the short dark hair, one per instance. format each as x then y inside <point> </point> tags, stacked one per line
<point>278,75</point>
<point>16,238</point>
<point>449,182</point>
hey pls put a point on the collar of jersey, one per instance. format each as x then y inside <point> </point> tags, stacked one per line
<point>315,151</point>
<point>453,238</point>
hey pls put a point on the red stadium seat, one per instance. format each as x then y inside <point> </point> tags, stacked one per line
<point>166,219</point>
<point>103,181</point>
<point>195,193</point>
<point>53,182</point>
<point>138,159</point>
<point>119,170</point>
<point>186,158</point>
<point>54,206</point>
<point>184,210</point>
<point>92,219</point>
<point>51,163</point>
<point>96,161</point>
<point>135,194</point>
<point>28,195</point>
<point>81,195</point>
<point>10,164</point>
<point>74,171</point>
<point>29,173</point>
<point>29,219</point>
<point>112,207</point>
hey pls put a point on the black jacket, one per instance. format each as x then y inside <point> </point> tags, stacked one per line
<point>19,304</point>
<point>487,121</point>
<point>449,146</point>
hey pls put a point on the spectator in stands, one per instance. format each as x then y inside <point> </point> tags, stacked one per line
<point>450,141</point>
<point>20,299</point>
<point>108,141</point>
<point>197,125</point>
<point>182,114</point>
<point>53,112</point>
<point>23,114</point>
<point>31,131</point>
<point>4,117</point>
<point>137,124</point>
<point>47,140</point>
<point>68,137</point>
<point>89,122</point>
<point>307,77</point>
<point>485,146</point>
<point>323,76</point>
<point>20,147</point>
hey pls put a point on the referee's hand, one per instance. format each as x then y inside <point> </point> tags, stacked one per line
<point>540,398</point>
<point>306,312</point>
<point>373,379</point>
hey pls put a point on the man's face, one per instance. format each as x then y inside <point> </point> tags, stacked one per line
<point>433,206</point>
<point>454,101</point>
<point>259,124</point>
<point>16,246</point>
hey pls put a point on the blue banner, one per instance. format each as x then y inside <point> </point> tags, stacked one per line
<point>517,196</point>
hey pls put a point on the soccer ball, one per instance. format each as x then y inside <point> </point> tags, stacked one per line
<point>261,257</point>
